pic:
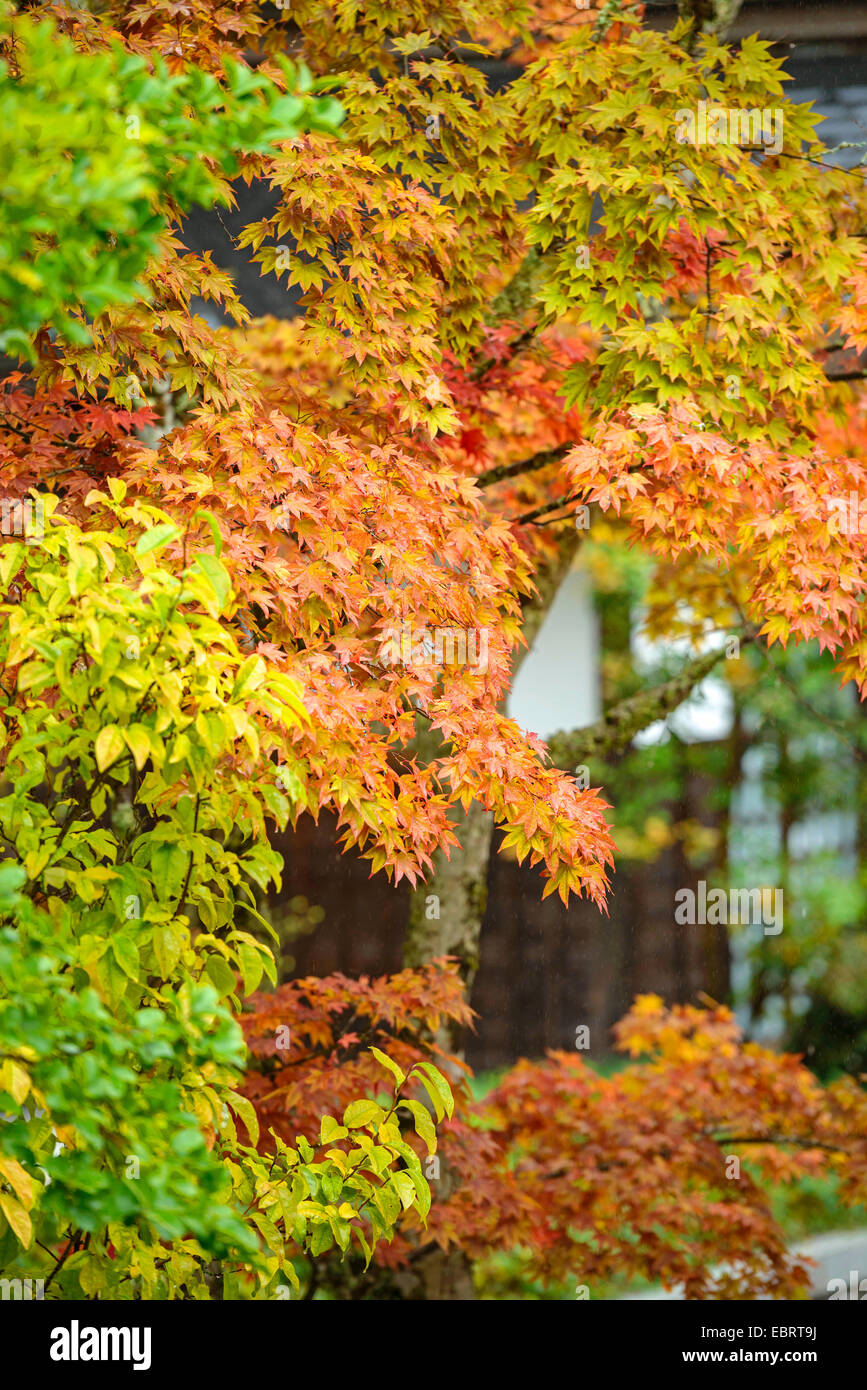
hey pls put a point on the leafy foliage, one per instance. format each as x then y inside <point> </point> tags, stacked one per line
<point>515,302</point>
<point>132,727</point>
<point>114,138</point>
<point>345,523</point>
<point>586,1177</point>
<point>93,1106</point>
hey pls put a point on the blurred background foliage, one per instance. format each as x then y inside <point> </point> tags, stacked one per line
<point>784,805</point>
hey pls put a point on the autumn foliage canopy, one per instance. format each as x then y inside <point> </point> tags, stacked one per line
<point>516,303</point>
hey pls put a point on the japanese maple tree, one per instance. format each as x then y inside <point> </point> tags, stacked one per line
<point>518,305</point>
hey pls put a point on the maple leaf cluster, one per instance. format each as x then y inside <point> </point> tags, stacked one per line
<point>799,571</point>
<point>394,462</point>
<point>638,1163</point>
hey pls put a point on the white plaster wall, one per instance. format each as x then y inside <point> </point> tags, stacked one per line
<point>557,686</point>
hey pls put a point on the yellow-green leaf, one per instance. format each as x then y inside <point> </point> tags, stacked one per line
<point>221,975</point>
<point>405,1189</point>
<point>437,1088</point>
<point>384,1061</point>
<point>109,746</point>
<point>18,1219</point>
<point>329,1130</point>
<point>362,1112</point>
<point>156,538</point>
<point>246,1113</point>
<point>217,576</point>
<point>15,1080</point>
<point>19,1180</point>
<point>139,744</point>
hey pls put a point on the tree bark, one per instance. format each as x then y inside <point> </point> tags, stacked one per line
<point>445,915</point>
<point>457,892</point>
<point>712,16</point>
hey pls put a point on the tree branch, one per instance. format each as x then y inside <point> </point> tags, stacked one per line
<point>529,465</point>
<point>526,517</point>
<point>61,1259</point>
<point>836,728</point>
<point>711,16</point>
<point>183,898</point>
<point>619,725</point>
<point>794,1140</point>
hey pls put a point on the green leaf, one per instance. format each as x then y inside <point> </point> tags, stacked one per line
<point>424,1125</point>
<point>92,1276</point>
<point>388,1202</point>
<point>12,877</point>
<point>156,538</point>
<point>221,975</point>
<point>422,1192</point>
<point>169,867</point>
<point>168,945</point>
<point>11,558</point>
<point>362,1112</point>
<point>342,1231</point>
<point>249,676</point>
<point>391,1066</point>
<point>441,1087</point>
<point>109,746</point>
<point>252,966</point>
<point>322,1239</point>
<point>215,529</point>
<point>268,1230</point>
<point>217,576</point>
<point>126,954</point>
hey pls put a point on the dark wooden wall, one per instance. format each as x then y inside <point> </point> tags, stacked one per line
<point>545,969</point>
